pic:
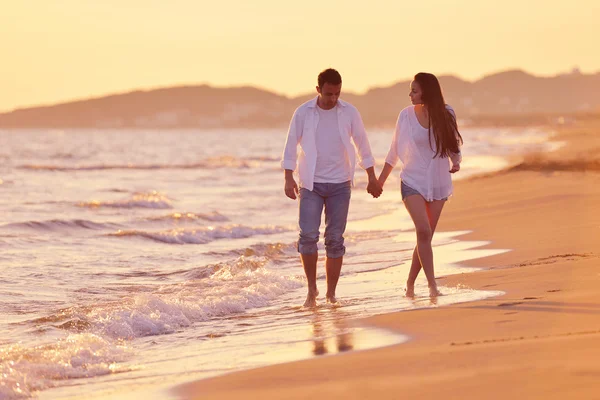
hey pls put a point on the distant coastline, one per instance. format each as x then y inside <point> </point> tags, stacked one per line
<point>505,98</point>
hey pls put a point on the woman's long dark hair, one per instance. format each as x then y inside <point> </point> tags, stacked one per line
<point>441,121</point>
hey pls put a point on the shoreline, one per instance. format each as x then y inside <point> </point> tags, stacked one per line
<point>547,216</point>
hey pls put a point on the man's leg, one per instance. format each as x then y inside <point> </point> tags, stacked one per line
<point>309,262</point>
<point>333,268</point>
<point>310,210</point>
<point>337,203</point>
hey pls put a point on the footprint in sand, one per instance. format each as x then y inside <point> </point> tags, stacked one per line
<point>510,304</point>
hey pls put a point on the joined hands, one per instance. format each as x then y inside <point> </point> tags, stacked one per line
<point>374,188</point>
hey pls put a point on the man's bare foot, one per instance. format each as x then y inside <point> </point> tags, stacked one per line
<point>434,292</point>
<point>311,298</point>
<point>410,289</point>
<point>331,298</point>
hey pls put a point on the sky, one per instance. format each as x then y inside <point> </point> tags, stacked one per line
<point>60,50</point>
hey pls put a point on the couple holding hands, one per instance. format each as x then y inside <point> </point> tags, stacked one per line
<point>330,133</point>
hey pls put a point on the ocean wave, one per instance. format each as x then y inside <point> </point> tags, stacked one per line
<point>232,288</point>
<point>25,370</point>
<point>201,235</point>
<point>209,163</point>
<point>358,237</point>
<point>240,265</point>
<point>264,158</point>
<point>116,190</point>
<point>187,216</point>
<point>249,258</point>
<point>273,251</point>
<point>209,291</point>
<point>62,224</point>
<point>138,200</point>
<point>97,335</point>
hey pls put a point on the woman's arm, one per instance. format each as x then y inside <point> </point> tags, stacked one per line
<point>456,158</point>
<point>392,157</point>
<point>385,172</point>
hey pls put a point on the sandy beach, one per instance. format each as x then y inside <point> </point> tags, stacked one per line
<point>150,227</point>
<point>539,340</point>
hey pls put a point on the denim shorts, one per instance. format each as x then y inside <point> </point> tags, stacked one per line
<point>335,198</point>
<point>406,191</point>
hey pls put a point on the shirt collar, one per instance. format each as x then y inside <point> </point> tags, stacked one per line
<point>313,103</point>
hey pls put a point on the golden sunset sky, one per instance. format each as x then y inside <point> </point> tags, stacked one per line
<point>59,50</point>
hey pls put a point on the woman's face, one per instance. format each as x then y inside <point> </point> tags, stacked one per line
<point>415,93</point>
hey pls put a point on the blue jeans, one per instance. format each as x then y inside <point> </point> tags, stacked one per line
<point>335,197</point>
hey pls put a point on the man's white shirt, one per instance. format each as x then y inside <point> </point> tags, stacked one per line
<point>305,130</point>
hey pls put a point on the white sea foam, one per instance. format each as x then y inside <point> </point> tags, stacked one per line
<point>25,370</point>
<point>232,288</point>
<point>210,291</point>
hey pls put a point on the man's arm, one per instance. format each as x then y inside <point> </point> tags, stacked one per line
<point>365,157</point>
<point>359,136</point>
<point>374,188</point>
<point>290,155</point>
<point>290,188</point>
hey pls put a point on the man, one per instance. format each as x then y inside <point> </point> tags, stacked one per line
<point>330,132</point>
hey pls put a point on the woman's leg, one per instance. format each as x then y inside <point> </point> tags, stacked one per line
<point>434,211</point>
<point>415,268</point>
<point>425,216</point>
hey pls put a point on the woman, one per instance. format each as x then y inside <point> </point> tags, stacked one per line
<point>427,143</point>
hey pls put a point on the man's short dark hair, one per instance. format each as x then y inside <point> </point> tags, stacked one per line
<point>330,76</point>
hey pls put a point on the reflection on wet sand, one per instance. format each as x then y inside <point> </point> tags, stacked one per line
<point>331,332</point>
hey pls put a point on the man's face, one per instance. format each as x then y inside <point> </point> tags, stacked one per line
<point>328,95</point>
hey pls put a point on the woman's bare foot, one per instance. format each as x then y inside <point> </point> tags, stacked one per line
<point>434,292</point>
<point>410,289</point>
<point>311,298</point>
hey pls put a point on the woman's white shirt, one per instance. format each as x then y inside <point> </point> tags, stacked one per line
<point>420,168</point>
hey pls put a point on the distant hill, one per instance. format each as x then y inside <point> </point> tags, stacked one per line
<point>507,94</point>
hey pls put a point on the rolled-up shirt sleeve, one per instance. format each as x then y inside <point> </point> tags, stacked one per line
<point>361,141</point>
<point>456,158</point>
<point>290,151</point>
<point>392,157</point>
